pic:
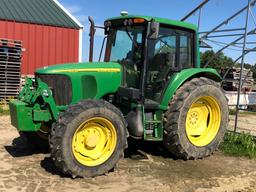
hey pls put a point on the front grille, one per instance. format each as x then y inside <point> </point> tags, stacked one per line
<point>60,86</point>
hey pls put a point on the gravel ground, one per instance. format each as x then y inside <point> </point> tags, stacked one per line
<point>246,123</point>
<point>24,170</point>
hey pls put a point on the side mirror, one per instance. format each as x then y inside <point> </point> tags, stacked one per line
<point>154,30</point>
<point>107,25</point>
<point>106,30</point>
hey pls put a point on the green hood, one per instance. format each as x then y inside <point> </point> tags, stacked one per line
<point>88,80</point>
<point>81,67</point>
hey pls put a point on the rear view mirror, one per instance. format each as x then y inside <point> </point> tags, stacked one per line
<point>154,30</point>
<point>107,26</point>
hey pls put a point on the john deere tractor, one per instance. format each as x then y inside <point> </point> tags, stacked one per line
<point>149,87</point>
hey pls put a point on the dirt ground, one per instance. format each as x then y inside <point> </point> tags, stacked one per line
<point>246,123</point>
<point>24,170</point>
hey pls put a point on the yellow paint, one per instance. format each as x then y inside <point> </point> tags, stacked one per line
<point>94,141</point>
<point>203,121</point>
<point>110,70</point>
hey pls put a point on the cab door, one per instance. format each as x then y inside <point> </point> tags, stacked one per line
<point>171,52</point>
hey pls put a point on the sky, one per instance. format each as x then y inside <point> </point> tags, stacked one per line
<point>213,13</point>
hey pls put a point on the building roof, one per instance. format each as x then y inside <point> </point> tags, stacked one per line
<point>43,12</point>
<point>160,20</point>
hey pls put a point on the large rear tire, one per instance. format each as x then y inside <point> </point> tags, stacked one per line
<point>88,139</point>
<point>197,119</point>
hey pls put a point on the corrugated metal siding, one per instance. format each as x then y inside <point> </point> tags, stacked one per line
<point>44,12</point>
<point>45,45</point>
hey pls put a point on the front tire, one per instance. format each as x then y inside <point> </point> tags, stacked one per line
<point>88,139</point>
<point>197,119</point>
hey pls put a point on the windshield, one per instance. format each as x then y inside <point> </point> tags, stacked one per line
<point>124,43</point>
<point>124,46</point>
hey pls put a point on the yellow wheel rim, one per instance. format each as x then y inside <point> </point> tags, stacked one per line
<point>203,121</point>
<point>94,141</point>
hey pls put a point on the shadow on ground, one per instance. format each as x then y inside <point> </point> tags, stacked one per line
<point>137,150</point>
<point>20,148</point>
<point>48,165</point>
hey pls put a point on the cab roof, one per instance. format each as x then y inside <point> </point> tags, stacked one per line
<point>159,20</point>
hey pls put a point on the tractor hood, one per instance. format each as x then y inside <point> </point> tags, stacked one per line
<point>86,80</point>
<point>99,67</point>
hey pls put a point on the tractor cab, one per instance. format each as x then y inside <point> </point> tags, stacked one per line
<point>149,50</point>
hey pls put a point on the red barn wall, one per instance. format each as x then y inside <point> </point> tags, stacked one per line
<point>44,45</point>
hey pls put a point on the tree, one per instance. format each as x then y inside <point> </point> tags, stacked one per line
<point>222,61</point>
<point>217,61</point>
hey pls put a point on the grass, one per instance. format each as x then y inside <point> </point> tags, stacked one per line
<point>233,112</point>
<point>4,111</point>
<point>237,144</point>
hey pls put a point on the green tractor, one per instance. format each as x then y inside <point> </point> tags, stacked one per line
<point>149,87</point>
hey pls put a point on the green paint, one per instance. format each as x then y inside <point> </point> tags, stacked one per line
<point>157,122</point>
<point>30,96</point>
<point>104,78</point>
<point>159,20</point>
<point>178,79</point>
<point>48,100</point>
<point>69,67</point>
<point>158,117</point>
<point>21,116</point>
<point>42,115</point>
<point>198,63</point>
<point>90,83</point>
<point>29,112</point>
<point>89,80</point>
<point>26,93</point>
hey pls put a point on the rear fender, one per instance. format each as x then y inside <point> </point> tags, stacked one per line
<point>178,79</point>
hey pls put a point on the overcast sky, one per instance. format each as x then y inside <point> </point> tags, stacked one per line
<point>213,13</point>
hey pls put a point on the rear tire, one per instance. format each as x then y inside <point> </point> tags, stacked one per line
<point>197,119</point>
<point>77,137</point>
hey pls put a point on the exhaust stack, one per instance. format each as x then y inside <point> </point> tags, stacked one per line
<point>91,34</point>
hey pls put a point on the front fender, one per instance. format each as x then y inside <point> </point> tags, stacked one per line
<point>178,79</point>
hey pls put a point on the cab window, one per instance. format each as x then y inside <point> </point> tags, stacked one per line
<point>171,51</point>
<point>125,46</point>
